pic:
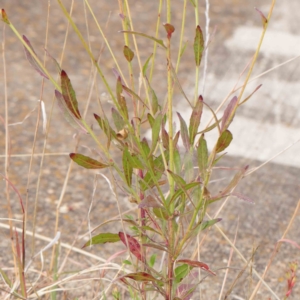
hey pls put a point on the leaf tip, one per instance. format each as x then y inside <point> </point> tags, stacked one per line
<point>4,16</point>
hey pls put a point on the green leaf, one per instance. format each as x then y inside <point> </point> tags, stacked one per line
<point>178,179</point>
<point>177,161</point>
<point>193,3</point>
<point>31,59</point>
<point>161,213</point>
<point>145,66</point>
<point>181,272</point>
<point>195,119</point>
<point>69,94</point>
<point>154,101</point>
<point>198,45</point>
<point>160,42</point>
<point>197,264</point>
<point>184,133</point>
<point>127,167</point>
<point>183,49</point>
<point>150,119</point>
<point>188,166</point>
<point>87,162</point>
<point>128,53</point>
<point>102,238</point>
<point>6,278</point>
<point>68,115</point>
<point>118,120</point>
<point>104,125</point>
<point>155,132</point>
<point>183,190</point>
<point>207,224</point>
<point>152,260</point>
<point>133,160</point>
<point>132,93</point>
<point>202,156</point>
<point>121,98</point>
<point>224,141</point>
<point>145,146</point>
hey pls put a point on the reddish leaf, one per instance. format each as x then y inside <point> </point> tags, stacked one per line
<point>102,238</point>
<point>184,133</point>
<point>4,16</point>
<point>228,113</point>
<point>198,45</point>
<point>140,276</point>
<point>121,98</point>
<point>87,162</point>
<point>73,121</point>
<point>264,20</point>
<point>128,53</point>
<point>224,141</point>
<point>195,119</point>
<point>133,245</point>
<point>197,264</point>
<point>149,201</point>
<point>235,180</point>
<point>69,94</point>
<point>169,29</point>
<point>31,59</point>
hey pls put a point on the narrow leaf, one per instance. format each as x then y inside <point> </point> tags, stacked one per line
<point>188,166</point>
<point>140,276</point>
<point>118,120</point>
<point>195,119</point>
<point>31,59</point>
<point>87,162</point>
<point>184,133</point>
<point>160,42</point>
<point>127,167</point>
<point>145,66</point>
<point>132,93</point>
<point>178,179</point>
<point>133,245</point>
<point>128,53</point>
<point>228,113</point>
<point>207,224</point>
<point>69,117</point>
<point>193,3</point>
<point>54,60</point>
<point>121,98</point>
<point>197,264</point>
<point>224,141</point>
<point>4,16</point>
<point>102,238</point>
<point>69,94</point>
<point>155,132</point>
<point>198,45</point>
<point>181,272</point>
<point>235,180</point>
<point>149,201</point>
<point>264,20</point>
<point>202,156</point>
<point>161,213</point>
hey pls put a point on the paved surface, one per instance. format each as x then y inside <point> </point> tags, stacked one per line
<point>264,126</point>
